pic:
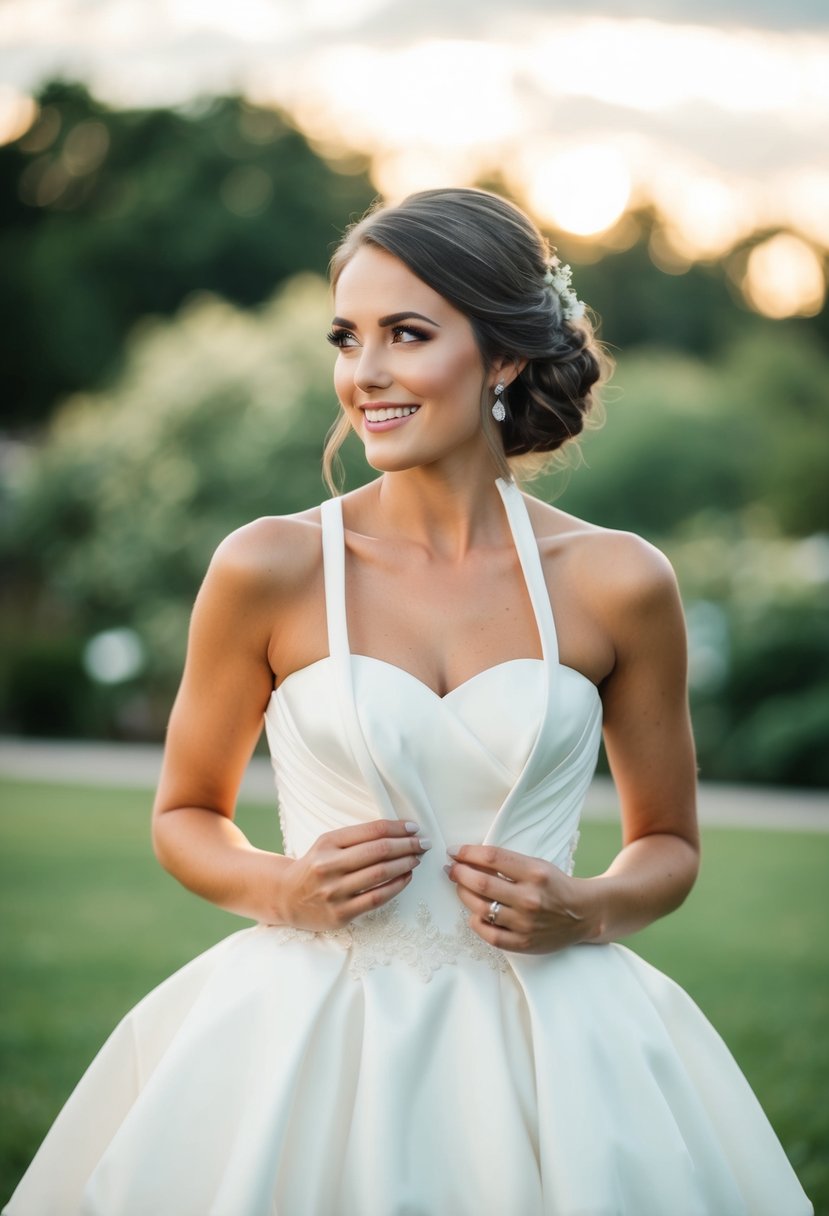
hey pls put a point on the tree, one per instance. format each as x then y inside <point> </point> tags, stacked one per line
<point>108,215</point>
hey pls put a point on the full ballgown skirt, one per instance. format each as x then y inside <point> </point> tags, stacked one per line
<point>401,1066</point>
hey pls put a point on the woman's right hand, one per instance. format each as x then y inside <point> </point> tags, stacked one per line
<point>350,871</point>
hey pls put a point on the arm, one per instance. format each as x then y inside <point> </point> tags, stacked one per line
<point>215,723</point>
<point>650,749</point>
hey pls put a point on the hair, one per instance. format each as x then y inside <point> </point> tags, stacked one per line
<point>488,260</point>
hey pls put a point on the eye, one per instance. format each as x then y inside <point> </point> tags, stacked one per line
<point>342,338</point>
<point>409,333</point>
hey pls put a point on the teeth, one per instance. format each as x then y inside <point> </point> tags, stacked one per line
<point>387,412</point>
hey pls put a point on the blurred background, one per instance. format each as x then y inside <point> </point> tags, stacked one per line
<point>173,177</point>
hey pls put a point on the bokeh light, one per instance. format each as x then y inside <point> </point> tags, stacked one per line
<point>583,190</point>
<point>706,214</point>
<point>806,195</point>
<point>114,656</point>
<point>17,113</point>
<point>784,278</point>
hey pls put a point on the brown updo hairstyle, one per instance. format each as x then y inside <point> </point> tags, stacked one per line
<point>488,259</point>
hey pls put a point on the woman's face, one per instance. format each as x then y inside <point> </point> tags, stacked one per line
<point>409,374</point>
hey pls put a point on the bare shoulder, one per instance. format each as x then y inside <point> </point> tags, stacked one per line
<point>275,554</point>
<point>612,568</point>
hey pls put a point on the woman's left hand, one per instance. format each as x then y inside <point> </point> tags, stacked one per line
<point>540,908</point>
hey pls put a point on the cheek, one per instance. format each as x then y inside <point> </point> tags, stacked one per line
<point>343,381</point>
<point>450,374</point>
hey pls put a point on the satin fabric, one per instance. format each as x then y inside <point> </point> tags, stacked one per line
<point>401,1066</point>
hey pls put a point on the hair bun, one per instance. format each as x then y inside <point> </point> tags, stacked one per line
<point>548,403</point>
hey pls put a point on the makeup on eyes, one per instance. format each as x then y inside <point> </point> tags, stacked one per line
<point>344,328</point>
<point>337,337</point>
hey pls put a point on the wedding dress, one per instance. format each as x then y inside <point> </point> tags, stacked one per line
<point>401,1066</point>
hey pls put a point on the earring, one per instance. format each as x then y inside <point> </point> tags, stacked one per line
<point>499,410</point>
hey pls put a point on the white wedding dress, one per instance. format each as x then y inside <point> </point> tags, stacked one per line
<point>401,1066</point>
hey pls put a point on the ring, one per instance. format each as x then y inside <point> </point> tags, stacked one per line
<point>494,909</point>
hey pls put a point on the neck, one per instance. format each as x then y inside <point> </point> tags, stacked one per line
<point>447,514</point>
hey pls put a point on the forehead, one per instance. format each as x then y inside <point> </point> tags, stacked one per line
<point>376,282</point>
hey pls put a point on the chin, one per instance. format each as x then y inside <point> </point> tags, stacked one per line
<point>391,464</point>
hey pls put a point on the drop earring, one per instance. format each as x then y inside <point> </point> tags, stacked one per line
<point>499,410</point>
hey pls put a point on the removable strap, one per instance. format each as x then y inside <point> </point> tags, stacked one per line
<point>333,562</point>
<point>526,547</point>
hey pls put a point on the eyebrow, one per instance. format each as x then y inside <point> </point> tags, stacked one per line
<point>392,319</point>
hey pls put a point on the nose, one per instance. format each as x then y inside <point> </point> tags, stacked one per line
<point>371,371</point>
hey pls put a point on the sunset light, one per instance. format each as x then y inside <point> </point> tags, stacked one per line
<point>426,95</point>
<point>784,278</point>
<point>720,128</point>
<point>584,189</point>
<point>706,213</point>
<point>17,113</point>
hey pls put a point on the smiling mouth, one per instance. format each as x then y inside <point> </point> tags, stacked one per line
<point>387,412</point>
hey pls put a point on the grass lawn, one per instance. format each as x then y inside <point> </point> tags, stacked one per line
<point>90,923</point>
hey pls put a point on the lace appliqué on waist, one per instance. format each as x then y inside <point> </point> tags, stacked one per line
<point>382,937</point>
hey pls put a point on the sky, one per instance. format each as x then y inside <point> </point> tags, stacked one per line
<point>715,111</point>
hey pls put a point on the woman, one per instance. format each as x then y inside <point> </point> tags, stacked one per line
<point>435,655</point>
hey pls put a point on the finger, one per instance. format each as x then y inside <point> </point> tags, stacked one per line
<point>372,829</point>
<point>330,865</point>
<point>495,860</point>
<point>368,901</point>
<point>498,936</point>
<point>379,852</point>
<point>506,918</point>
<point>363,880</point>
<point>482,883</point>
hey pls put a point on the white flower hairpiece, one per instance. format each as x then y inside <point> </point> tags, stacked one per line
<point>559,278</point>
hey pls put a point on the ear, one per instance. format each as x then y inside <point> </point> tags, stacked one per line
<point>505,369</point>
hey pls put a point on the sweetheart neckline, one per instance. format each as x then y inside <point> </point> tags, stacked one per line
<point>427,687</point>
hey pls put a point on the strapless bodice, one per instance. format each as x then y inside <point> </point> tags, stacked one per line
<point>448,763</point>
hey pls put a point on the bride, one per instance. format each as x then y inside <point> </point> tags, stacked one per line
<point>431,1015</point>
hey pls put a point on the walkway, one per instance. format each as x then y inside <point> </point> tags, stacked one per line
<point>136,765</point>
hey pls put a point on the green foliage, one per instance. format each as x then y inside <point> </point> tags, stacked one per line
<point>640,305</point>
<point>714,445</point>
<point>108,215</point>
<point>722,464</point>
<point>219,418</point>
<point>681,435</point>
<point>757,614</point>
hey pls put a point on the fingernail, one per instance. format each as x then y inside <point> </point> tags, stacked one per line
<point>447,869</point>
<point>411,827</point>
<point>425,843</point>
<point>449,853</point>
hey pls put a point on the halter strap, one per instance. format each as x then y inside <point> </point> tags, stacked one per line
<point>526,546</point>
<point>333,562</point>
<point>333,551</point>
